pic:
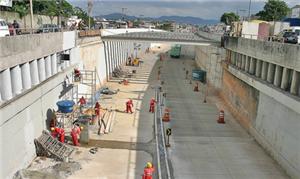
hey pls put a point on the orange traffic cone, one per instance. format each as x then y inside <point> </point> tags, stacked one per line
<point>221,117</point>
<point>166,117</point>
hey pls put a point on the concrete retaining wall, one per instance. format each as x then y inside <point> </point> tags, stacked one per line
<point>209,59</point>
<point>275,121</point>
<point>22,120</point>
<point>286,55</point>
<point>271,115</point>
<point>91,55</point>
<point>241,98</point>
<point>277,130</point>
<point>23,48</point>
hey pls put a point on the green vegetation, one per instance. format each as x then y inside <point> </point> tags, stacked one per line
<point>80,13</point>
<point>21,7</point>
<point>167,26</point>
<point>229,17</point>
<point>51,8</point>
<point>274,10</point>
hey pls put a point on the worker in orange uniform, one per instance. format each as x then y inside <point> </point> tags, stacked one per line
<point>58,133</point>
<point>97,109</point>
<point>152,105</point>
<point>76,130</point>
<point>129,105</point>
<point>148,171</point>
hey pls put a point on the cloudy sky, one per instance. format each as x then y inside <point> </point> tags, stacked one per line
<point>207,9</point>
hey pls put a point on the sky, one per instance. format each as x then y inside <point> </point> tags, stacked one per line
<point>206,9</point>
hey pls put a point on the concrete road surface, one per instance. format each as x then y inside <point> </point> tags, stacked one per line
<point>200,147</point>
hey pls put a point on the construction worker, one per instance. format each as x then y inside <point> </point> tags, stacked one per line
<point>129,105</point>
<point>81,102</point>
<point>152,105</point>
<point>77,74</point>
<point>58,133</point>
<point>75,132</point>
<point>97,109</point>
<point>148,171</point>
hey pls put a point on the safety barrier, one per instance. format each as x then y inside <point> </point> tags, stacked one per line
<point>162,156</point>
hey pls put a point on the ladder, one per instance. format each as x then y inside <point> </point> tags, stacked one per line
<point>48,144</point>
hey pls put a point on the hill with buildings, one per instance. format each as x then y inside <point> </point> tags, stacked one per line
<point>177,19</point>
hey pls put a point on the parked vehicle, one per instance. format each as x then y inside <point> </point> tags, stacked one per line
<point>282,36</point>
<point>45,28</point>
<point>4,31</point>
<point>291,37</point>
<point>297,31</point>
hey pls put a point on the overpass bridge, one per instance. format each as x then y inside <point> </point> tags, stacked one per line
<point>162,37</point>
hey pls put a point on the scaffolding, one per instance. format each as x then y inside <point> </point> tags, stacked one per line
<point>87,78</point>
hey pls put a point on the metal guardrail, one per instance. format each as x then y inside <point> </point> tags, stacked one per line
<point>161,151</point>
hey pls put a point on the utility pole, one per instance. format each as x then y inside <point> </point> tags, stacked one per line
<point>123,13</point>
<point>31,16</point>
<point>90,7</point>
<point>249,11</point>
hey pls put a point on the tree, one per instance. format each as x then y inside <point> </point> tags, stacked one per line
<point>80,13</point>
<point>273,10</point>
<point>22,8</point>
<point>229,17</point>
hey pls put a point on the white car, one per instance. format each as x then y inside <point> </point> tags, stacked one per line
<point>4,31</point>
<point>297,31</point>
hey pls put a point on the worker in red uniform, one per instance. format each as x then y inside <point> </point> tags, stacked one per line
<point>148,171</point>
<point>81,102</point>
<point>77,74</point>
<point>75,132</point>
<point>58,133</point>
<point>97,109</point>
<point>152,105</point>
<point>129,105</point>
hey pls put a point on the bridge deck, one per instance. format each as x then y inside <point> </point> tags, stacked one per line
<point>161,37</point>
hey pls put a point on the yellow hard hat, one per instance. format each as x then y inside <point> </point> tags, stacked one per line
<point>52,128</point>
<point>81,127</point>
<point>149,165</point>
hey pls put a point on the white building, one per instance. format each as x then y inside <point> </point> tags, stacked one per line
<point>295,12</point>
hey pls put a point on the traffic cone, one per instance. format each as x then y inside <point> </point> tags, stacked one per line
<point>166,117</point>
<point>221,119</point>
